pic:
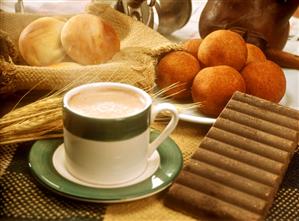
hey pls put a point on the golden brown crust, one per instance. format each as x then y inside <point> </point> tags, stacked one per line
<point>192,46</point>
<point>254,53</point>
<point>213,87</point>
<point>88,39</point>
<point>64,64</point>
<point>177,67</point>
<point>39,42</point>
<point>223,47</point>
<point>265,80</point>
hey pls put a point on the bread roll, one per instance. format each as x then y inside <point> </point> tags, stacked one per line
<point>64,65</point>
<point>39,42</point>
<point>88,39</point>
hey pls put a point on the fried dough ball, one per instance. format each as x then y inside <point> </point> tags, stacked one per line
<point>265,80</point>
<point>177,67</point>
<point>213,87</point>
<point>254,53</point>
<point>223,47</point>
<point>192,46</point>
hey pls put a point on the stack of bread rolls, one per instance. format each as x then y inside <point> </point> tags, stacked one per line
<point>215,68</point>
<point>83,39</point>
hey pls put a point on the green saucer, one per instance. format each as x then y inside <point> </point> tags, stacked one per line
<point>41,165</point>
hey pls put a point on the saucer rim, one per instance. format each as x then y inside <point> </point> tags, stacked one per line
<point>44,149</point>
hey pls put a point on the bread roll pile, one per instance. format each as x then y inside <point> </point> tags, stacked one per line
<point>83,39</point>
<point>39,42</point>
<point>226,64</point>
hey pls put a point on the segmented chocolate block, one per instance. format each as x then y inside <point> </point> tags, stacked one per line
<point>240,163</point>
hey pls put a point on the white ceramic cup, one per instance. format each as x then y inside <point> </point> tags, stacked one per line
<point>111,150</point>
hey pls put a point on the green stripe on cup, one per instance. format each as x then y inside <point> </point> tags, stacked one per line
<point>106,129</point>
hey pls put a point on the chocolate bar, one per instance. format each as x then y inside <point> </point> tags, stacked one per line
<point>239,165</point>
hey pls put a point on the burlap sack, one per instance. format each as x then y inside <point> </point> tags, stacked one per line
<point>134,64</point>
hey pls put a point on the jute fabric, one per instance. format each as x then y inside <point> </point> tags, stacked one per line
<point>134,64</point>
<point>22,198</point>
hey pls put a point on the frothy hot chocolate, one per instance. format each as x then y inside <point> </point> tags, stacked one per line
<point>106,102</point>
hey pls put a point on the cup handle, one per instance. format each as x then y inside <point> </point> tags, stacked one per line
<point>168,129</point>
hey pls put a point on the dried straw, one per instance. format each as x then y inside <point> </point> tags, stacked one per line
<point>42,119</point>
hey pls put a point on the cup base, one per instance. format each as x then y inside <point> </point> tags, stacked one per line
<point>59,165</point>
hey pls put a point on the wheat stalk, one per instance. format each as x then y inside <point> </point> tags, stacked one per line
<point>33,123</point>
<point>41,107</point>
<point>36,119</point>
<point>42,119</point>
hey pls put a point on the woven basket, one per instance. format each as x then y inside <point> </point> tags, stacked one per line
<point>134,64</point>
